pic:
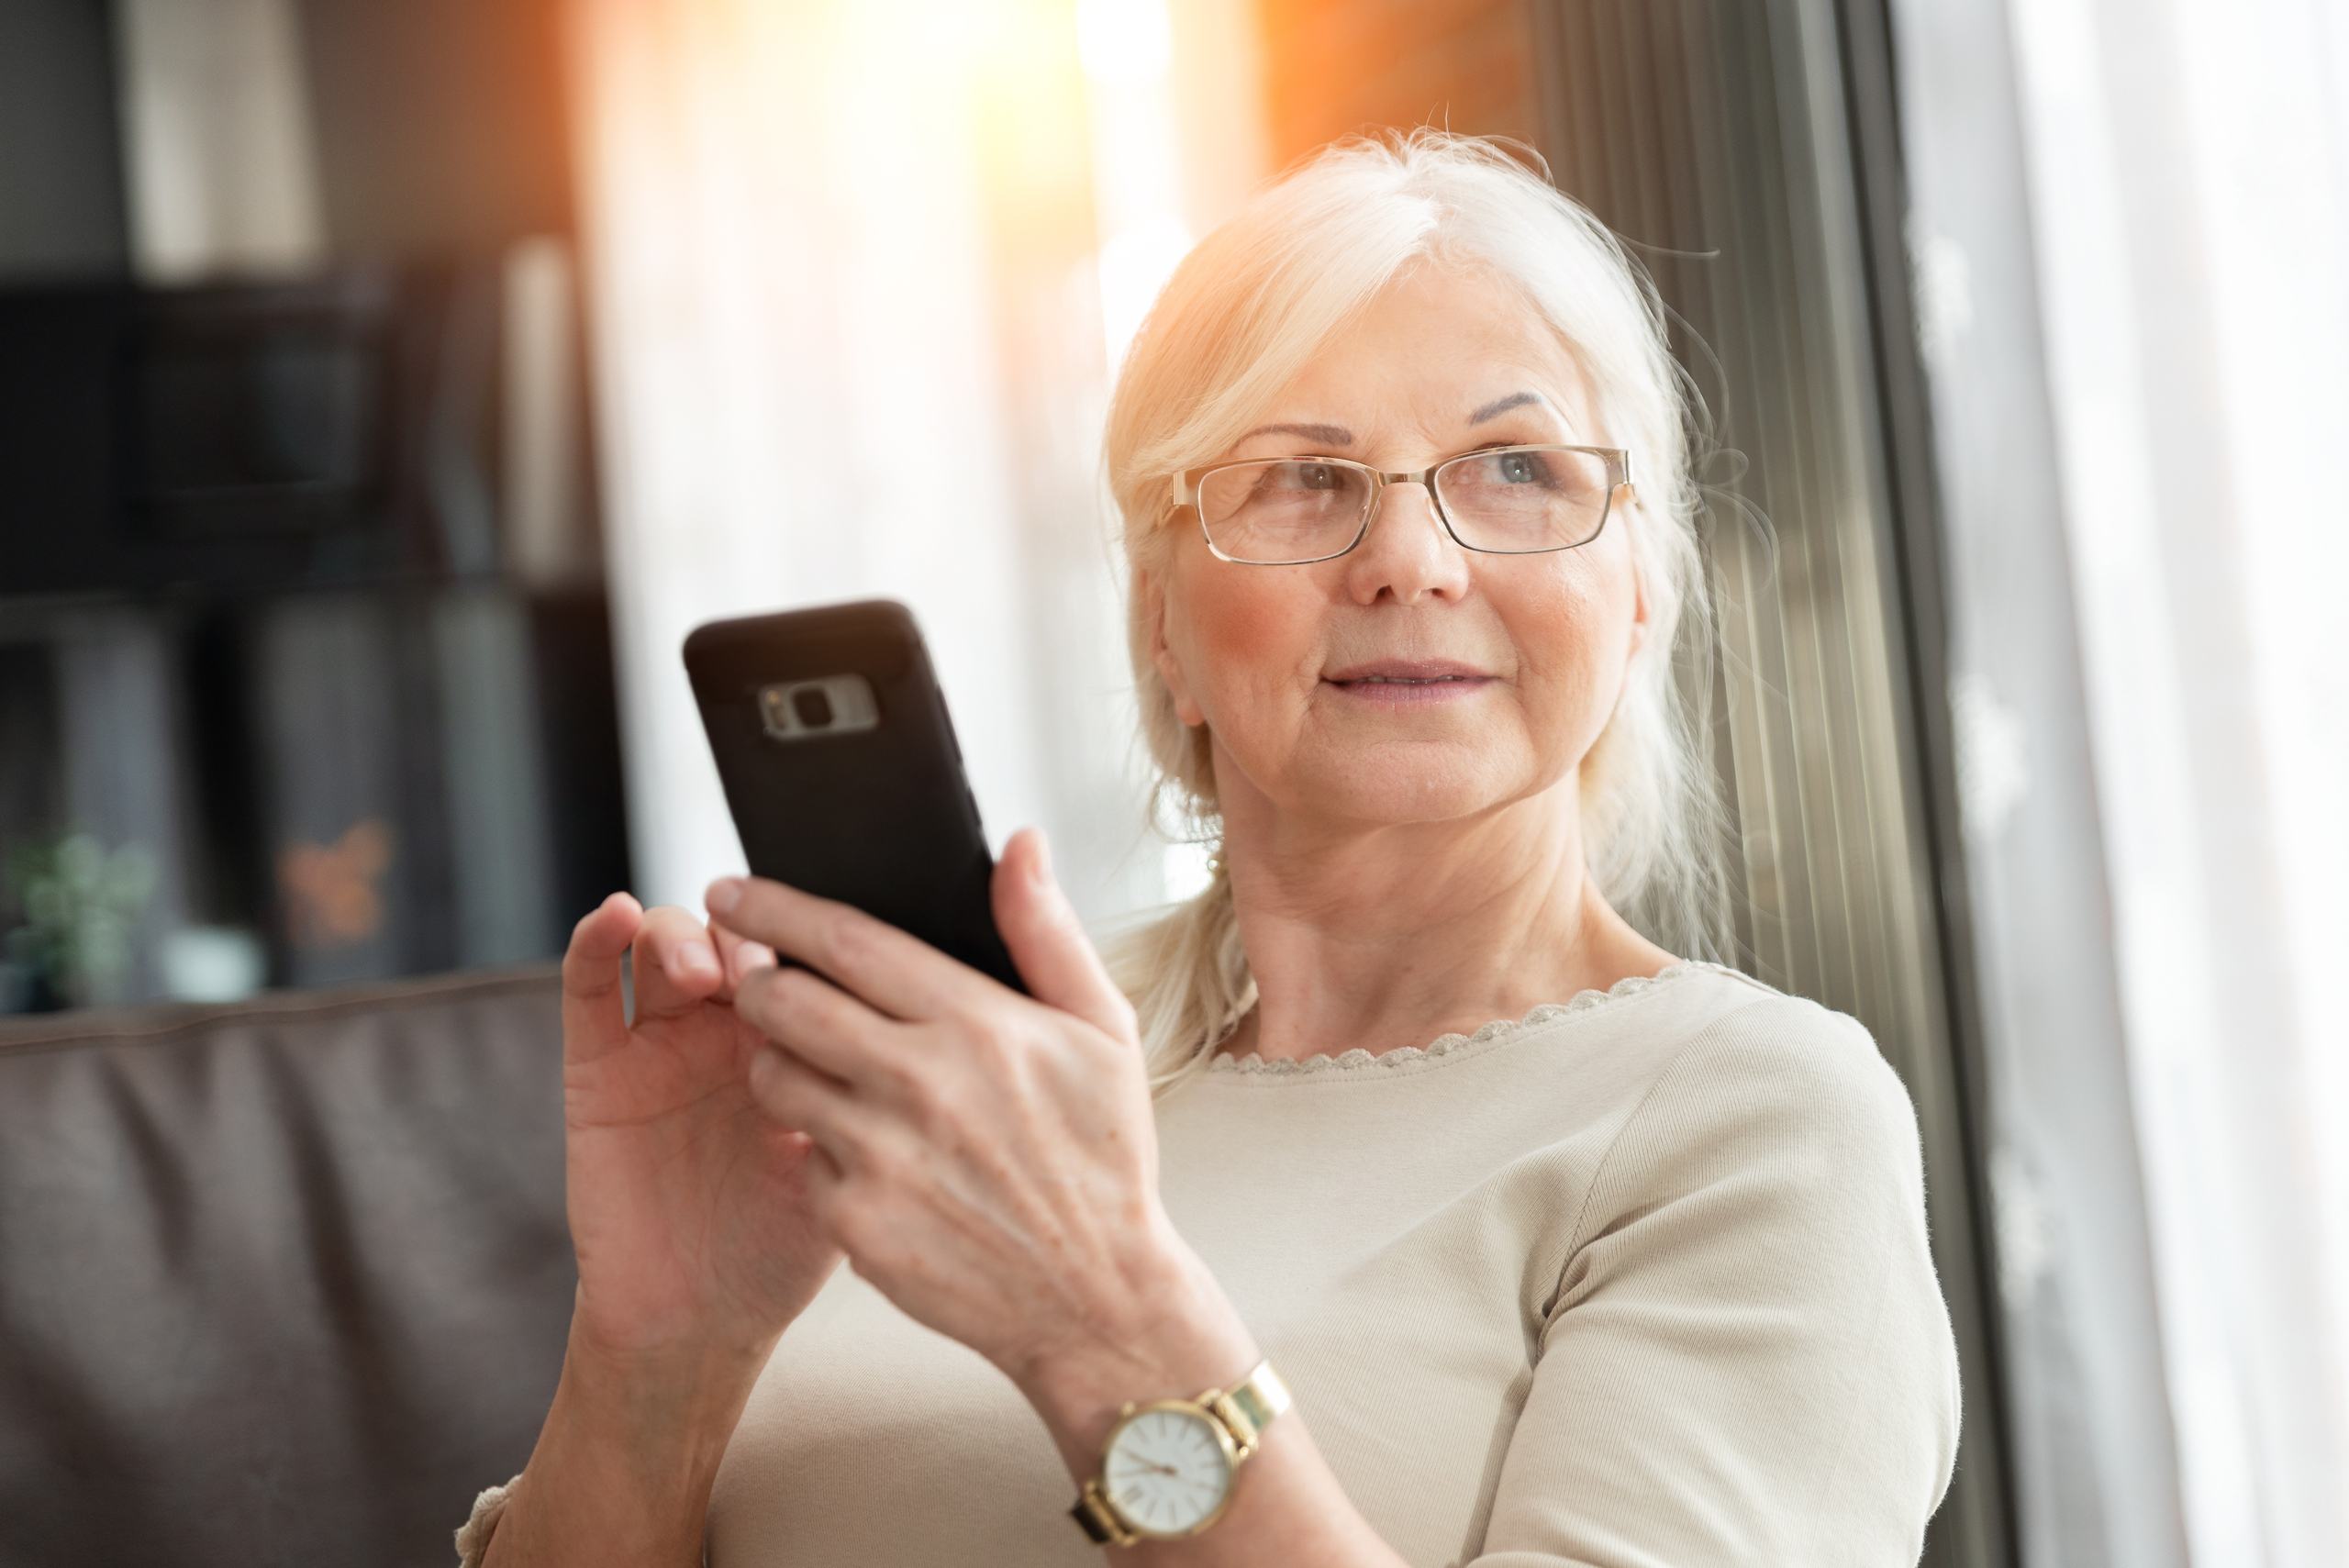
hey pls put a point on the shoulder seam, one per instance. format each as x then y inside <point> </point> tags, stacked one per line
<point>1709,1036</point>
<point>1607,1160</point>
<point>1732,972</point>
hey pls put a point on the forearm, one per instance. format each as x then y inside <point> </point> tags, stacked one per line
<point>623,1468</point>
<point>1286,1507</point>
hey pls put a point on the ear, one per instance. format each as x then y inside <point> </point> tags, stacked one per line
<point>1639,595</point>
<point>1154,611</point>
<point>1639,609</point>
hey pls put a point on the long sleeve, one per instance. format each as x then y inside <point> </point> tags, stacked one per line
<point>473,1536</point>
<point>1749,1358</point>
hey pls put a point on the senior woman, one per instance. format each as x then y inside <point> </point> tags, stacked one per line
<point>1395,1201</point>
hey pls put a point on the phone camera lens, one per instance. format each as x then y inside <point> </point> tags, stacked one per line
<point>814,708</point>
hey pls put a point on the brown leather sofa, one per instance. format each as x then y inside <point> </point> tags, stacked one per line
<point>281,1282</point>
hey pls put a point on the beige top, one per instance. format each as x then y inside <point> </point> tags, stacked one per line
<point>1638,1281</point>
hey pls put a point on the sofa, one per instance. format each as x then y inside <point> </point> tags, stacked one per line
<point>284,1281</point>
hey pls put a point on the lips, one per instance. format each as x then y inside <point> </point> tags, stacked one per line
<point>1405,671</point>
<point>1401,693</point>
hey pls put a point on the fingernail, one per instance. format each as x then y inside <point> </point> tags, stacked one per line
<point>723,895</point>
<point>1043,861</point>
<point>697,958</point>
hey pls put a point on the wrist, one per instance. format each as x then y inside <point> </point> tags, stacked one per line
<point>623,1469</point>
<point>667,1412</point>
<point>703,1341</point>
<point>1186,1338</point>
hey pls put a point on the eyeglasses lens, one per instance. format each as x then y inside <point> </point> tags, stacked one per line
<point>1525,499</point>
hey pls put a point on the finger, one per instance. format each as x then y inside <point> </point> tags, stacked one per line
<point>820,1023</point>
<point>890,970</point>
<point>1049,943</point>
<point>677,967</point>
<point>798,1096</point>
<point>594,1018</point>
<point>738,957</point>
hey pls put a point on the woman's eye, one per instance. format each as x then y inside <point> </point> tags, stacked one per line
<point>1521,468</point>
<point>1317,475</point>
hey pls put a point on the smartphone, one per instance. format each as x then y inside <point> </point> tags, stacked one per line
<point>843,772</point>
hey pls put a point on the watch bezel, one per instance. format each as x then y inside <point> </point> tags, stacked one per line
<point>1224,1444</point>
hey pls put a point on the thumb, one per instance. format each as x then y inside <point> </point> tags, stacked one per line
<point>1055,956</point>
<point>595,1017</point>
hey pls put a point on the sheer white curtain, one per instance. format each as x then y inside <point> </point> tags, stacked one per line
<point>842,294</point>
<point>2188,166</point>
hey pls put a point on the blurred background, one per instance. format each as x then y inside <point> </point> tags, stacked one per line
<point>386,389</point>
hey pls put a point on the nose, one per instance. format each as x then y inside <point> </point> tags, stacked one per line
<point>1390,492</point>
<point>1414,555</point>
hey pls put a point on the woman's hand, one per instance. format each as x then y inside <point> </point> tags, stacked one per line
<point>988,1160</point>
<point>691,1211</point>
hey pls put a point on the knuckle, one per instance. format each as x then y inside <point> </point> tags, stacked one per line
<point>878,1162</point>
<point>648,935</point>
<point>923,1098</point>
<point>993,1042</point>
<point>766,994</point>
<point>580,947</point>
<point>846,945</point>
<point>796,990</point>
<point>898,1077</point>
<point>873,1167</point>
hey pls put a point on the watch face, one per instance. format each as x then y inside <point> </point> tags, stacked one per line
<point>1168,1470</point>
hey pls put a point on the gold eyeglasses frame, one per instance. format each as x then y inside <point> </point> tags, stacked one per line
<point>1184,490</point>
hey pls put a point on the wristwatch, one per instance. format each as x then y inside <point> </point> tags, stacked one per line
<point>1168,1466</point>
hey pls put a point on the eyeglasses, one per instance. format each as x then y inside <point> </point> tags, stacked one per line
<point>1502,500</point>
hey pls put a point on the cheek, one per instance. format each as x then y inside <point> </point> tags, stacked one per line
<point>1249,633</point>
<point>1575,632</point>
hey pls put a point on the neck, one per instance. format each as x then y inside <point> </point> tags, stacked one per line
<point>1394,935</point>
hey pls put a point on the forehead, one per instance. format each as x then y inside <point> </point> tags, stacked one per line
<point>1433,347</point>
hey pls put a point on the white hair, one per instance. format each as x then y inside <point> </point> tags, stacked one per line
<point>1234,324</point>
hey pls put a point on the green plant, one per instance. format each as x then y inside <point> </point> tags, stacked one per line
<point>78,902</point>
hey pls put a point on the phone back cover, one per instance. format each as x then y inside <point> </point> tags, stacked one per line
<point>881,818</point>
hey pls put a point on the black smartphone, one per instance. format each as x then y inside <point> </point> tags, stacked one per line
<point>843,772</point>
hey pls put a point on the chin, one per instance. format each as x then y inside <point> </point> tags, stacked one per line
<point>1393,790</point>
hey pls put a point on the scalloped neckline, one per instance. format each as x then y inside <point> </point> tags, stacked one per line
<point>1360,1060</point>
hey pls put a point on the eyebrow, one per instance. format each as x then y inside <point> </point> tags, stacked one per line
<point>1338,435</point>
<point>1501,406</point>
<point>1328,435</point>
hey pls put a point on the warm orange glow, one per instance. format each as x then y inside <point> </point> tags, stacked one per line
<point>859,270</point>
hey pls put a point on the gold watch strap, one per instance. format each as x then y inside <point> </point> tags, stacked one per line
<point>1099,1518</point>
<point>1248,1407</point>
<point>1244,1409</point>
